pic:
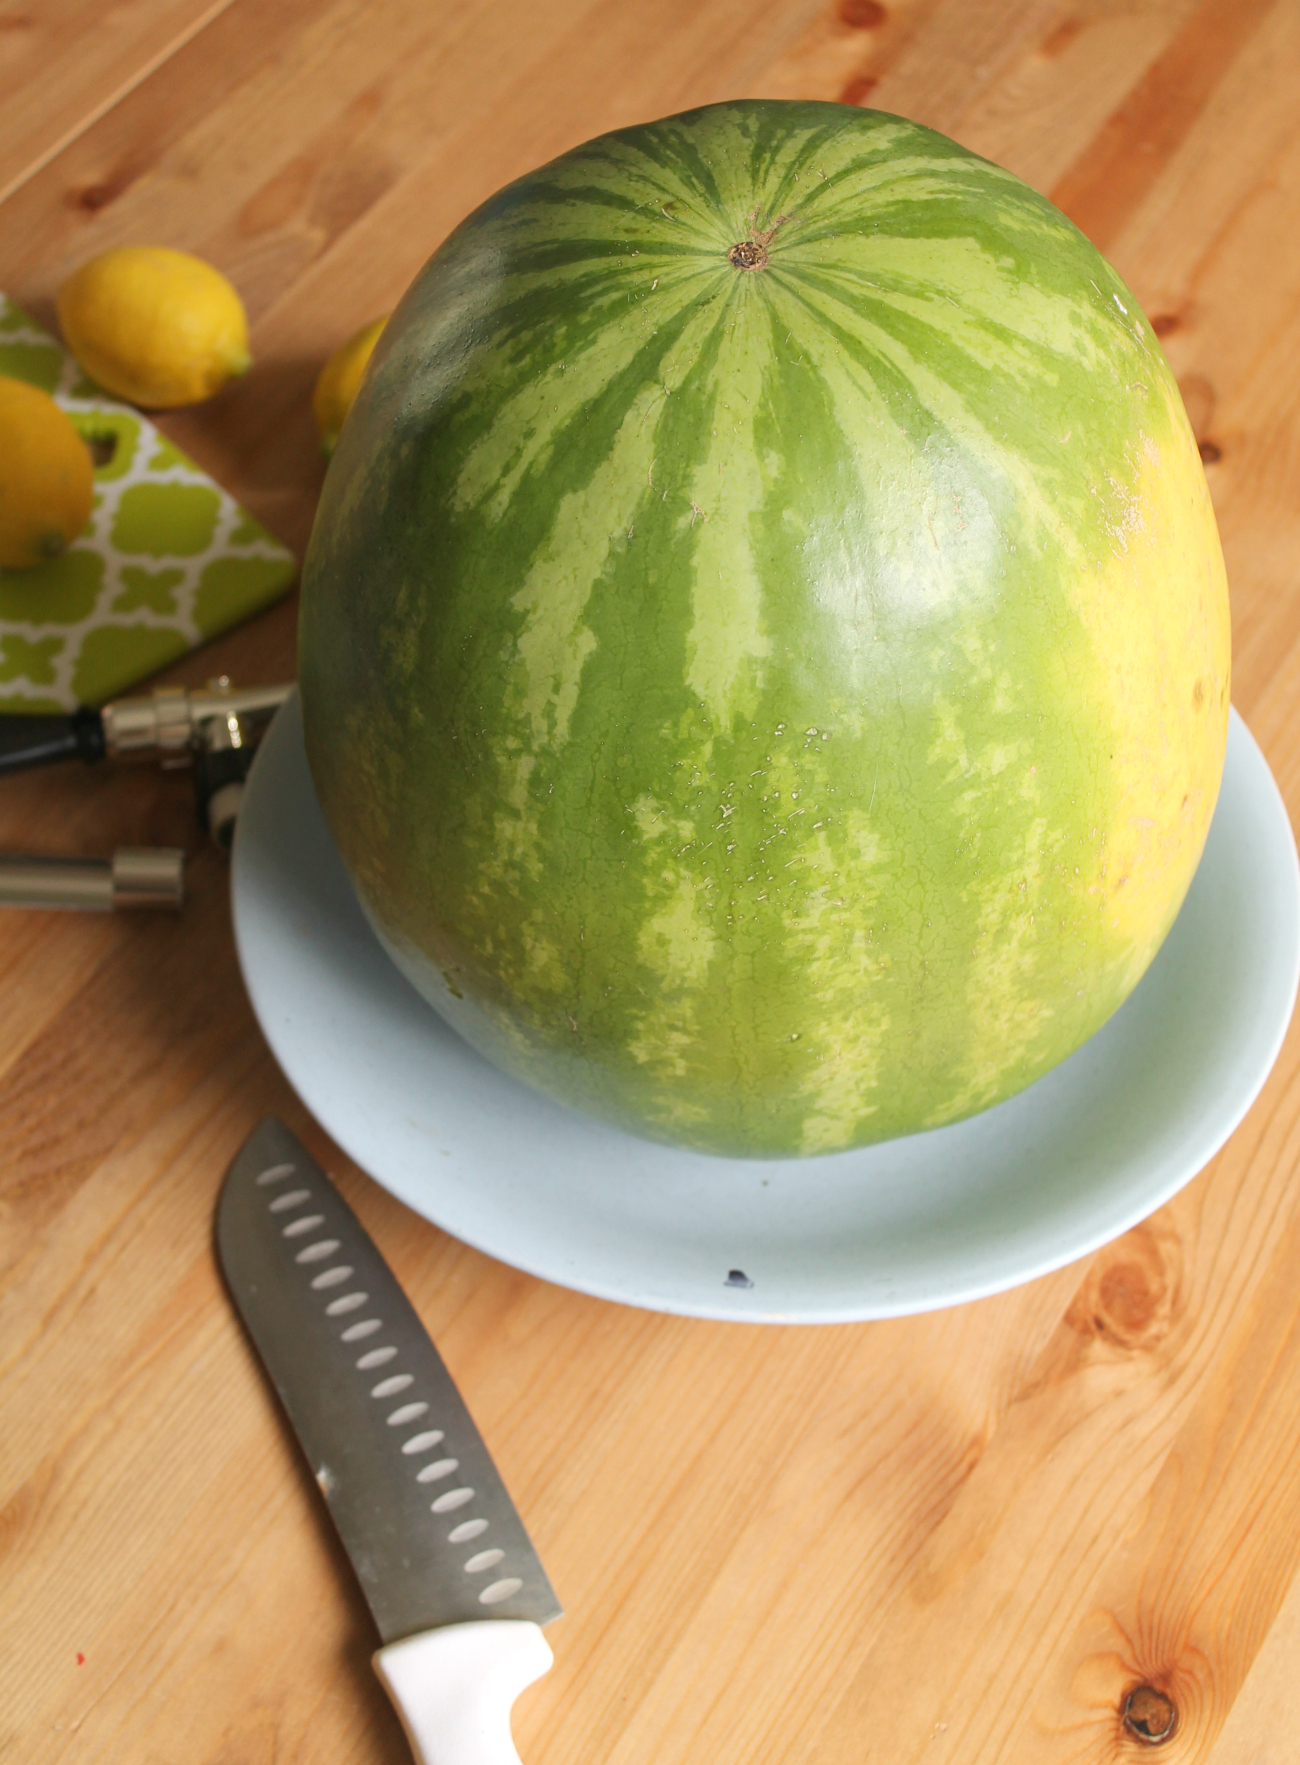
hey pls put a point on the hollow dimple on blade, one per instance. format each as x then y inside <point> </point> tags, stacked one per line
<point>429,1527</point>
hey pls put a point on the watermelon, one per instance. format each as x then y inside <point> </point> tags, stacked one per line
<point>764,645</point>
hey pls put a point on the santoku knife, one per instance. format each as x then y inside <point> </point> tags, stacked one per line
<point>456,1588</point>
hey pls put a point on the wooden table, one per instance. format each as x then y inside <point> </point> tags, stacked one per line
<point>963,1537</point>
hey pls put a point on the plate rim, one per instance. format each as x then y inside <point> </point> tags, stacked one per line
<point>730,1304</point>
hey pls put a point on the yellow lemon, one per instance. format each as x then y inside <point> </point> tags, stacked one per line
<point>46,480</point>
<point>155,326</point>
<point>339,379</point>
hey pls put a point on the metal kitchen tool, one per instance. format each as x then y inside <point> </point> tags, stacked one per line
<point>135,876</point>
<point>457,1591</point>
<point>214,730</point>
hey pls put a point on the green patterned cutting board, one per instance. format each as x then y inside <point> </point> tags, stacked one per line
<point>168,560</point>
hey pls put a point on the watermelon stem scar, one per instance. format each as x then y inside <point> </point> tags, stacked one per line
<point>751,254</point>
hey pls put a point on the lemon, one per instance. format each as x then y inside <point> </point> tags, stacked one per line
<point>155,326</point>
<point>46,480</point>
<point>339,379</point>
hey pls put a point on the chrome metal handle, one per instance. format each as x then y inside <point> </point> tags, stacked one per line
<point>135,876</point>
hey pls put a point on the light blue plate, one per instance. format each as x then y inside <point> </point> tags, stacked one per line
<point>928,1221</point>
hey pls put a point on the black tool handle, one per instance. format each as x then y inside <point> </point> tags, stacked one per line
<point>36,738</point>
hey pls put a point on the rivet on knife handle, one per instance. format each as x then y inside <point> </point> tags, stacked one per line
<point>454,1583</point>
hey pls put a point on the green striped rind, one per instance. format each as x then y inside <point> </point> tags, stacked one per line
<point>704,670</point>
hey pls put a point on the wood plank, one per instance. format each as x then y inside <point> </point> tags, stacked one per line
<point>1263,1723</point>
<point>1122,165</point>
<point>845,51</point>
<point>784,1448</point>
<point>64,63</point>
<point>1045,112</point>
<point>961,55</point>
<point>1153,1435</point>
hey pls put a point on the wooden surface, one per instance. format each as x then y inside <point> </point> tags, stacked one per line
<point>959,1538</point>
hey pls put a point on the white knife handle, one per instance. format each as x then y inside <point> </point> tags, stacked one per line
<point>454,1688</point>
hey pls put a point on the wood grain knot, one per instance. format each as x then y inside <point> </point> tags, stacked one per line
<point>1130,1296</point>
<point>858,89</point>
<point>89,199</point>
<point>1210,451</point>
<point>1128,1300</point>
<point>1058,41</point>
<point>18,1517</point>
<point>93,197</point>
<point>862,15</point>
<point>1151,1715</point>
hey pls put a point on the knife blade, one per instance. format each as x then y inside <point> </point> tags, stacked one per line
<point>457,1591</point>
